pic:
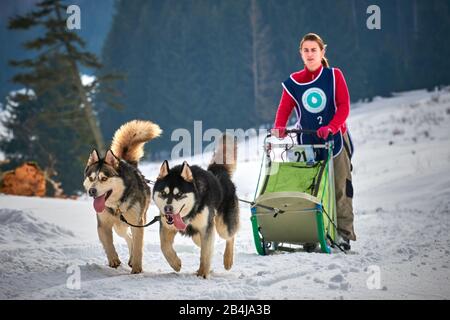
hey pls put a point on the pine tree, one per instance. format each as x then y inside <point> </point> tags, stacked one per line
<point>263,66</point>
<point>53,121</point>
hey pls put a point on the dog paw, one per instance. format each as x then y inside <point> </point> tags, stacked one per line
<point>176,264</point>
<point>136,269</point>
<point>227,262</point>
<point>114,263</point>
<point>203,273</point>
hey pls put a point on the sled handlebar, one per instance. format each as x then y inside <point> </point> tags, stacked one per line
<point>300,131</point>
<point>312,132</point>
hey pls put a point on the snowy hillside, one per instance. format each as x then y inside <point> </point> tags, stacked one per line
<point>402,200</point>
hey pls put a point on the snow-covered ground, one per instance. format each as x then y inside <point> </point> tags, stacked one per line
<point>402,204</point>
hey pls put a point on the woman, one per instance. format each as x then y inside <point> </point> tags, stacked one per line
<point>321,100</point>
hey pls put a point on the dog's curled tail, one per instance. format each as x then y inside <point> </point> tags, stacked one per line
<point>128,141</point>
<point>226,153</point>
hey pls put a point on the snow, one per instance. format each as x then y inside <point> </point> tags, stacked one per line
<point>5,112</point>
<point>402,208</point>
<point>87,79</point>
<point>2,128</point>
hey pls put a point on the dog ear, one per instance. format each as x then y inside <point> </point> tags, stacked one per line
<point>164,171</point>
<point>93,158</point>
<point>186,172</point>
<point>111,159</point>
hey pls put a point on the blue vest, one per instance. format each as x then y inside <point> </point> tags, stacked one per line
<point>315,107</point>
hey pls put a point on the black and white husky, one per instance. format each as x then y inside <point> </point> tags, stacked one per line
<point>194,202</point>
<point>118,187</point>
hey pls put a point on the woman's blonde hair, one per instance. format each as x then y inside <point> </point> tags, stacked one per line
<point>322,45</point>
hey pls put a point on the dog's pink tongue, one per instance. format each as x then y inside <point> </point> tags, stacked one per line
<point>178,222</point>
<point>99,203</point>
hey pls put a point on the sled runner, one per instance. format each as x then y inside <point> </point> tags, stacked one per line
<point>295,198</point>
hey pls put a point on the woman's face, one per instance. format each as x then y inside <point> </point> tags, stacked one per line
<point>311,54</point>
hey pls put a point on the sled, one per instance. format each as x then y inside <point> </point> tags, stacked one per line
<point>294,202</point>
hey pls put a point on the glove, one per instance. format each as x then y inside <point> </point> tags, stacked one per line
<point>323,132</point>
<point>279,132</point>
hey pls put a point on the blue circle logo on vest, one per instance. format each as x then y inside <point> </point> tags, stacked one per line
<point>314,100</point>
